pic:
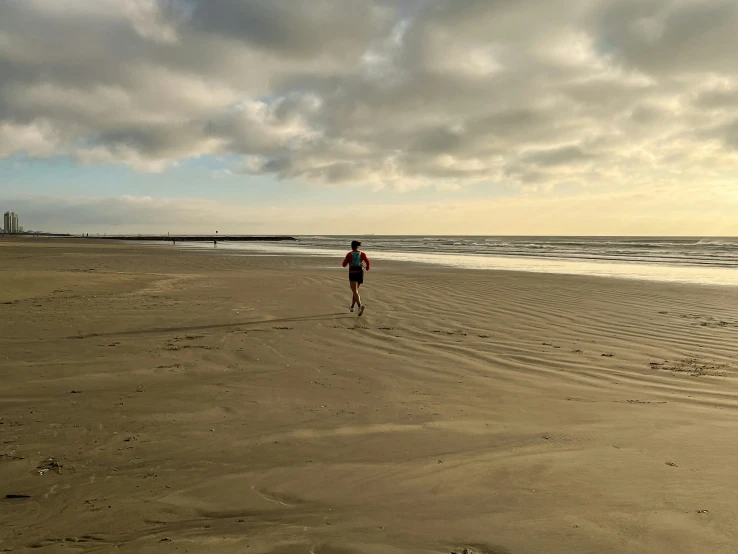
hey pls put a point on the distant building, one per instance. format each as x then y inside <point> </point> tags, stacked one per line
<point>10,223</point>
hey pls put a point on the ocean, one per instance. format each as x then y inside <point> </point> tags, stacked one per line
<point>712,261</point>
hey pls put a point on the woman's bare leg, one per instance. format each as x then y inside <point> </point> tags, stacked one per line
<point>356,299</point>
<point>361,306</point>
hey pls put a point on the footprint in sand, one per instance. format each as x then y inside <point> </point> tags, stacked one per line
<point>482,549</point>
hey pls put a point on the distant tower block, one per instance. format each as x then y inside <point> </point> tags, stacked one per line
<point>10,223</point>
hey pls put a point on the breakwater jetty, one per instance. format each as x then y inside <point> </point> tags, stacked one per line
<point>196,238</point>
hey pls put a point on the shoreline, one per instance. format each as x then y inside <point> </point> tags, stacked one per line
<point>651,272</point>
<point>724,275</point>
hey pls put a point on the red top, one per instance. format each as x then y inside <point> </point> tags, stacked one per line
<point>348,261</point>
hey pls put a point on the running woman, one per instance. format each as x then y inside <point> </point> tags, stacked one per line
<point>356,262</point>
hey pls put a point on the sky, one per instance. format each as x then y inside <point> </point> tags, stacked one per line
<point>563,117</point>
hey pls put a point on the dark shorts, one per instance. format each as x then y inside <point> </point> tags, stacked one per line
<point>356,277</point>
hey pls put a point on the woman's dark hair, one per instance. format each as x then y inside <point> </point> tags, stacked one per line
<point>355,244</point>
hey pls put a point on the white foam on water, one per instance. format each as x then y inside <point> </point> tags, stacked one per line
<point>652,271</point>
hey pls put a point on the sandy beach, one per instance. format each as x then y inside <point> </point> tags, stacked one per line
<point>164,399</point>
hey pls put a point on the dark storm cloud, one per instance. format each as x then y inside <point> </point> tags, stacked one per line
<point>289,28</point>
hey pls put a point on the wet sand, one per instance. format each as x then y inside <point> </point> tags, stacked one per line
<point>161,399</point>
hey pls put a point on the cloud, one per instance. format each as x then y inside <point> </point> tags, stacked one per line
<point>665,210</point>
<point>133,214</point>
<point>401,94</point>
<point>37,139</point>
<point>290,29</point>
<point>151,19</point>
